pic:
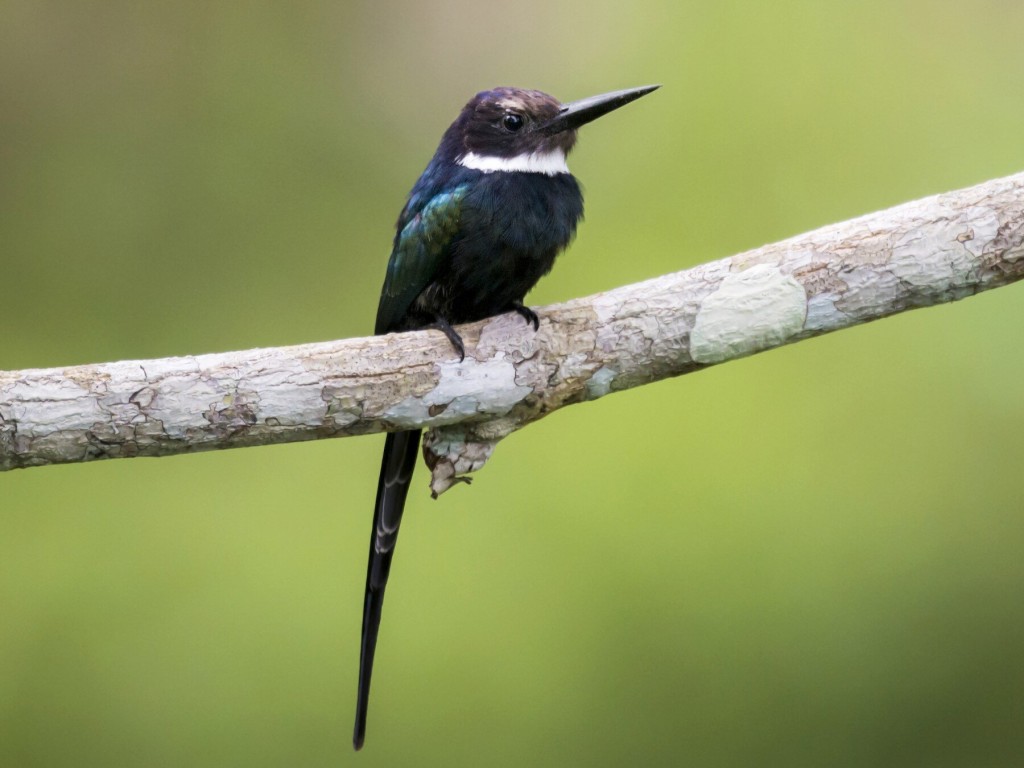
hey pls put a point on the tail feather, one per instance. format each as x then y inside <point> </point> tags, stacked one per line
<point>396,470</point>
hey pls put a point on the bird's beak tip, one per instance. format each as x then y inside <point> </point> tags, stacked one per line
<point>577,113</point>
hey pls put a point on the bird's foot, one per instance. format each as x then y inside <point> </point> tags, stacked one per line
<point>456,341</point>
<point>526,312</point>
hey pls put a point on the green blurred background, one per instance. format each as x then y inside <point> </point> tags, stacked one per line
<point>811,557</point>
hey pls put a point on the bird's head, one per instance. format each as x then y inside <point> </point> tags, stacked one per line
<point>513,129</point>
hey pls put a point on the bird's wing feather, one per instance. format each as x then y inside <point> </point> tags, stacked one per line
<point>419,251</point>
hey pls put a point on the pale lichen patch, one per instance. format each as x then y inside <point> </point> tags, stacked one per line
<point>600,384</point>
<point>752,310</point>
<point>823,314</point>
<point>464,388</point>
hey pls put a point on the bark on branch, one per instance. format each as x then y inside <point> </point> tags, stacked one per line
<point>919,254</point>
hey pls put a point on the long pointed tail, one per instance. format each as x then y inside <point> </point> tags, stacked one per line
<point>396,469</point>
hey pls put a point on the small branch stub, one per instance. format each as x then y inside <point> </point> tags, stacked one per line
<point>927,252</point>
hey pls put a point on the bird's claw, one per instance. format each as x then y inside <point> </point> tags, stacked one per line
<point>529,314</point>
<point>456,341</point>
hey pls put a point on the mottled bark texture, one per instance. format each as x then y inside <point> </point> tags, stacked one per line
<point>923,253</point>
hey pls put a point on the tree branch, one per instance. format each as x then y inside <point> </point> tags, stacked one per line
<point>935,250</point>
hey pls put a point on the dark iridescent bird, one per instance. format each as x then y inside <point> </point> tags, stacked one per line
<point>482,225</point>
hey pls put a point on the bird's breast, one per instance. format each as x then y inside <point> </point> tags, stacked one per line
<point>534,210</point>
<point>512,227</point>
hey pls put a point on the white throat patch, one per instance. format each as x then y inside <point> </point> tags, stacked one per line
<point>550,163</point>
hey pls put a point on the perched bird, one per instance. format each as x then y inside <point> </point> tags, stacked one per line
<point>482,225</point>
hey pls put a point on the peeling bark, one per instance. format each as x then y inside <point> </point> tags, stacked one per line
<point>927,252</point>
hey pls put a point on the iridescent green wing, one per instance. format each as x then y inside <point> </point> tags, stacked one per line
<point>420,249</point>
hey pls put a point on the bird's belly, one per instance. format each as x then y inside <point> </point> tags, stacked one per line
<point>512,235</point>
<point>496,279</point>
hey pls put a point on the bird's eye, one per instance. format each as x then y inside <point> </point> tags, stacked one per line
<point>512,122</point>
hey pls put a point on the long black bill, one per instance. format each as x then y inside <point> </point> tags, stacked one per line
<point>577,113</point>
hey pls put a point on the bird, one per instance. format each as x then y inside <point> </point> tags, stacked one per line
<point>482,224</point>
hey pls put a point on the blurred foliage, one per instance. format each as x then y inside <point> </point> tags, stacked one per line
<point>810,557</point>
